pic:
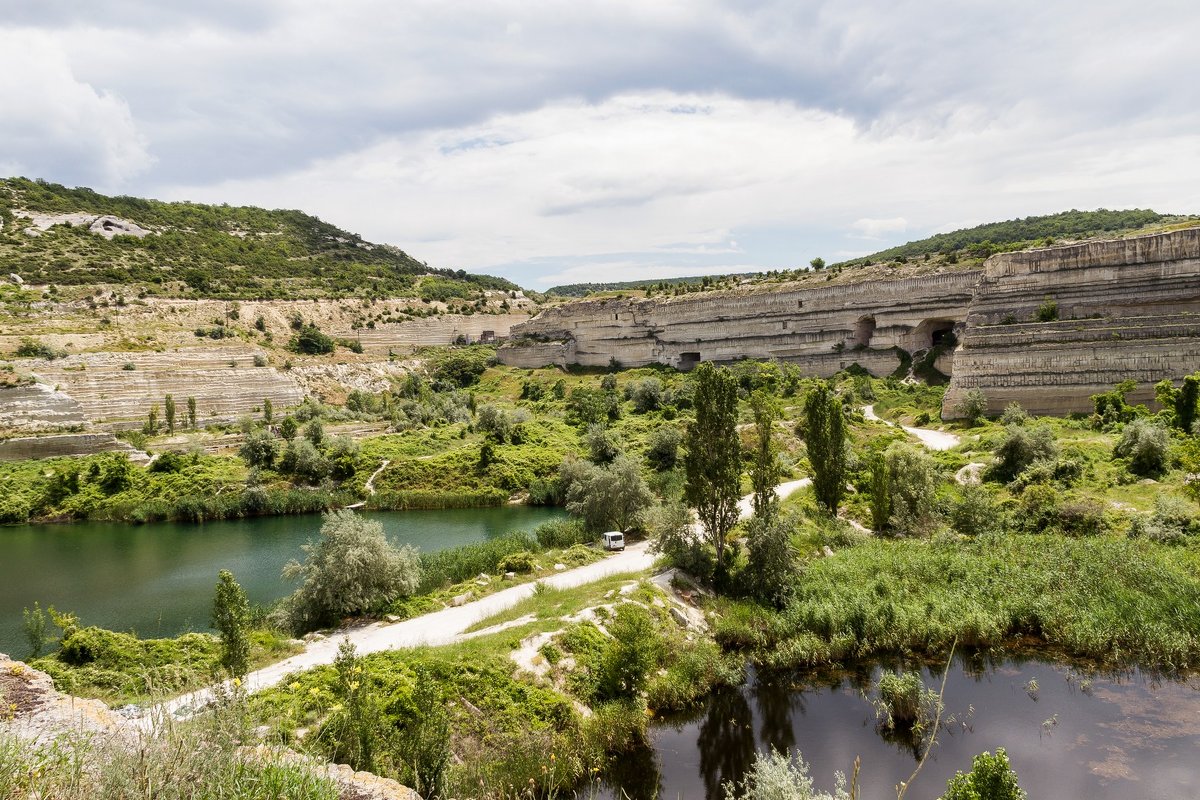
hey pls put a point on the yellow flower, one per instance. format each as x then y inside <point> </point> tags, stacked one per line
<point>314,691</point>
<point>337,707</point>
<point>237,682</point>
<point>294,686</point>
<point>353,685</point>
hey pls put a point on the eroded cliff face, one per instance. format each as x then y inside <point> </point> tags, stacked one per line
<point>1128,308</point>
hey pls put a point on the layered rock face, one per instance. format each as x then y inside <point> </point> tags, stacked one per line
<point>824,329</point>
<point>1127,308</point>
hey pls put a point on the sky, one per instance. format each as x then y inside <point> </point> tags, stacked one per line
<point>572,141</point>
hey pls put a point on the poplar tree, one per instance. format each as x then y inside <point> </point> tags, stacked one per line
<point>169,412</point>
<point>764,468</point>
<point>191,404</point>
<point>825,438</point>
<point>712,463</point>
<point>231,618</point>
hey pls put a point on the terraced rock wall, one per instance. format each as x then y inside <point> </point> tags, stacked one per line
<point>1127,308</point>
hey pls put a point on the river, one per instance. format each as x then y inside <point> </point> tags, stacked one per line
<point>1101,737</point>
<point>157,579</point>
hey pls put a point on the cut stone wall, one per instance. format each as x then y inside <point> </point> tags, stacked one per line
<point>1127,308</point>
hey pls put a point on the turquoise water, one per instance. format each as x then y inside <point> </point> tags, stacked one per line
<point>158,579</point>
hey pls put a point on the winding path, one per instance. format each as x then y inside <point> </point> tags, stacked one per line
<point>446,626</point>
<point>934,440</point>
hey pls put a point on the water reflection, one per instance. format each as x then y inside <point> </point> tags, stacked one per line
<point>1076,734</point>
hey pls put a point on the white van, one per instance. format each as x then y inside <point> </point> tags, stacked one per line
<point>613,540</point>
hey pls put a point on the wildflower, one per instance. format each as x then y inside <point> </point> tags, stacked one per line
<point>353,685</point>
<point>294,686</point>
<point>237,682</point>
<point>336,707</point>
<point>314,691</point>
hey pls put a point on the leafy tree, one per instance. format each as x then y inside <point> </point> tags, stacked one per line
<point>462,366</point>
<point>302,459</point>
<point>974,406</point>
<point>424,741</point>
<point>648,395</point>
<point>913,478</point>
<point>34,627</point>
<point>231,618</point>
<point>765,470</point>
<point>288,428</point>
<point>609,498</point>
<point>151,425</point>
<point>1183,401</point>
<point>601,443</point>
<point>1111,406</point>
<point>268,410</point>
<point>991,778</point>
<point>881,494</point>
<point>713,459</point>
<point>671,526</point>
<point>825,438</point>
<point>771,561</point>
<point>259,449</point>
<point>1146,446</point>
<point>169,413</point>
<point>817,263</point>
<point>191,412</point>
<point>663,452</point>
<point>976,512</point>
<point>311,341</point>
<point>494,422</point>
<point>1021,447</point>
<point>315,432</point>
<point>632,651</point>
<point>351,569</point>
<point>1014,415</point>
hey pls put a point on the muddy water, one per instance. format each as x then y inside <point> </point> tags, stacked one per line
<point>1073,735</point>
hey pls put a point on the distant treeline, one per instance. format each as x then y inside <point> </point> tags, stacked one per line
<point>658,284</point>
<point>214,250</point>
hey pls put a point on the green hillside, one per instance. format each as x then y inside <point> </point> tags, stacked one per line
<point>1018,234</point>
<point>199,250</point>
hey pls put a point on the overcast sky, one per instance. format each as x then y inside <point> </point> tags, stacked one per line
<point>570,141</point>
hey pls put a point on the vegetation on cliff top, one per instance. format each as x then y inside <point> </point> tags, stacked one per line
<point>202,250</point>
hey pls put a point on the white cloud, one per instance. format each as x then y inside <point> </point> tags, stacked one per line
<point>55,125</point>
<point>878,228</point>
<point>632,175</point>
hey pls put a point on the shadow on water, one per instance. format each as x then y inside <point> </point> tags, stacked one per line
<point>1069,732</point>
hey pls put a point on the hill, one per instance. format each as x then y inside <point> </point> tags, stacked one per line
<point>652,284</point>
<point>52,234</point>
<point>1018,234</point>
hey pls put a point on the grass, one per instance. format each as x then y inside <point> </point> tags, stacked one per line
<point>201,759</point>
<point>1111,600</point>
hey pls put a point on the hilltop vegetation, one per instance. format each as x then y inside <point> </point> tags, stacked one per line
<point>200,250</point>
<point>1018,234</point>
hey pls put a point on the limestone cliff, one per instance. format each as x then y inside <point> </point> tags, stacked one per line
<point>1127,308</point>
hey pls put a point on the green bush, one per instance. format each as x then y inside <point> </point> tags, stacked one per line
<point>520,562</point>
<point>351,569</point>
<point>991,778</point>
<point>311,341</point>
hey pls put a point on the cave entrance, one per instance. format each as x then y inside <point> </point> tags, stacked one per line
<point>688,361</point>
<point>864,329</point>
<point>931,333</point>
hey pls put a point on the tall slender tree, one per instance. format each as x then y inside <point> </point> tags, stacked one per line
<point>713,463</point>
<point>764,467</point>
<point>825,438</point>
<point>191,405</point>
<point>169,413</point>
<point>231,618</point>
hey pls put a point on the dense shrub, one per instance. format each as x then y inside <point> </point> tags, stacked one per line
<point>1146,446</point>
<point>311,341</point>
<point>1020,447</point>
<point>351,569</point>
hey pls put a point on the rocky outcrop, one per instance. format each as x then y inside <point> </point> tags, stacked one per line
<point>71,444</point>
<point>38,407</point>
<point>34,710</point>
<point>1127,308</point>
<point>103,225</point>
<point>121,387</point>
<point>823,329</point>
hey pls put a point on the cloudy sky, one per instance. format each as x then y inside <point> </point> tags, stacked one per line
<point>574,140</point>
